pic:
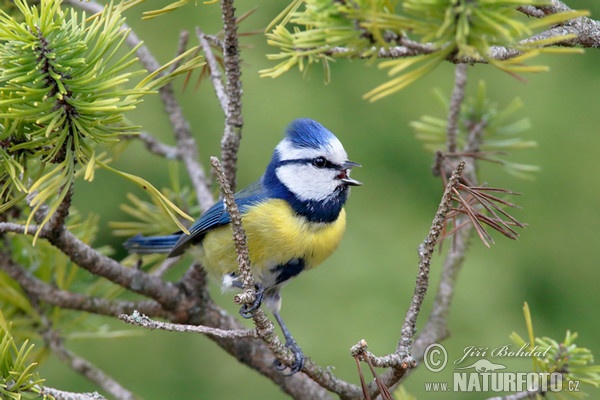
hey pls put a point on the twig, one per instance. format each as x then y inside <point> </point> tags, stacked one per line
<point>233,114</point>
<point>86,368</point>
<point>239,235</point>
<point>184,36</point>
<point>213,66</point>
<point>474,140</point>
<point>404,351</point>
<point>142,320</point>
<point>59,217</point>
<point>165,266</point>
<point>436,327</point>
<point>359,352</point>
<point>458,94</point>
<point>187,148</point>
<point>63,395</point>
<point>532,11</point>
<point>425,253</point>
<point>155,146</point>
<point>18,228</point>
<point>264,327</point>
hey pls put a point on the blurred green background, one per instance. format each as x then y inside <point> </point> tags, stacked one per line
<point>363,290</point>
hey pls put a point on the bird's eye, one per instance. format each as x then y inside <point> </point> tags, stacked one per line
<point>320,162</point>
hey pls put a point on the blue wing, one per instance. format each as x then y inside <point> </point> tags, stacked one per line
<point>217,216</point>
<point>151,244</point>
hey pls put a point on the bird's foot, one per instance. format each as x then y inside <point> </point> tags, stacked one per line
<point>299,358</point>
<point>247,310</point>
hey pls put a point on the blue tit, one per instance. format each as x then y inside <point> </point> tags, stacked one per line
<point>293,217</point>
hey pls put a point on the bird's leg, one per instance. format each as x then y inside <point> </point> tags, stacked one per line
<point>246,310</point>
<point>291,344</point>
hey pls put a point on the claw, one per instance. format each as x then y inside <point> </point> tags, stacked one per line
<point>291,344</point>
<point>299,358</point>
<point>246,310</point>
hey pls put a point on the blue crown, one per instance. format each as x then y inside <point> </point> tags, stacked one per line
<point>307,133</point>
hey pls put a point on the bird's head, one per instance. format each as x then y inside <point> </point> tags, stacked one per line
<point>310,169</point>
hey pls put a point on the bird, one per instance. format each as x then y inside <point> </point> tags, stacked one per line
<point>293,216</point>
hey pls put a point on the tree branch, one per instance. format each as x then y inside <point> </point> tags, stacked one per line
<point>165,293</point>
<point>98,264</point>
<point>74,301</point>
<point>585,30</point>
<point>202,311</point>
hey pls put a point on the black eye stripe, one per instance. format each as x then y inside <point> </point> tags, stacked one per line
<point>311,161</point>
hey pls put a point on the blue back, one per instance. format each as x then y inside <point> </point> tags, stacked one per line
<point>217,216</point>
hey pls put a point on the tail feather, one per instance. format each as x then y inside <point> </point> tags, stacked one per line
<point>151,244</point>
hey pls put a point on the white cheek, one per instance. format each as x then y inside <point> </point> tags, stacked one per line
<point>308,182</point>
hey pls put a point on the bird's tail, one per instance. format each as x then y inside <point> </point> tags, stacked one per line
<point>151,244</point>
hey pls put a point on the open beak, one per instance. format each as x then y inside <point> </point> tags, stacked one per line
<point>345,173</point>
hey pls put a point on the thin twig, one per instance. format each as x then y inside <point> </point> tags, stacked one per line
<point>458,94</point>
<point>233,114</point>
<point>155,146</point>
<point>87,369</point>
<point>142,320</point>
<point>264,327</point>
<point>426,250</point>
<point>59,217</point>
<point>184,36</point>
<point>436,327</point>
<point>239,235</point>
<point>166,293</point>
<point>165,266</point>
<point>475,139</point>
<point>404,350</point>
<point>63,395</point>
<point>213,66</point>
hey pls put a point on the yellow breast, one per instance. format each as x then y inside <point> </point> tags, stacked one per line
<point>276,235</point>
